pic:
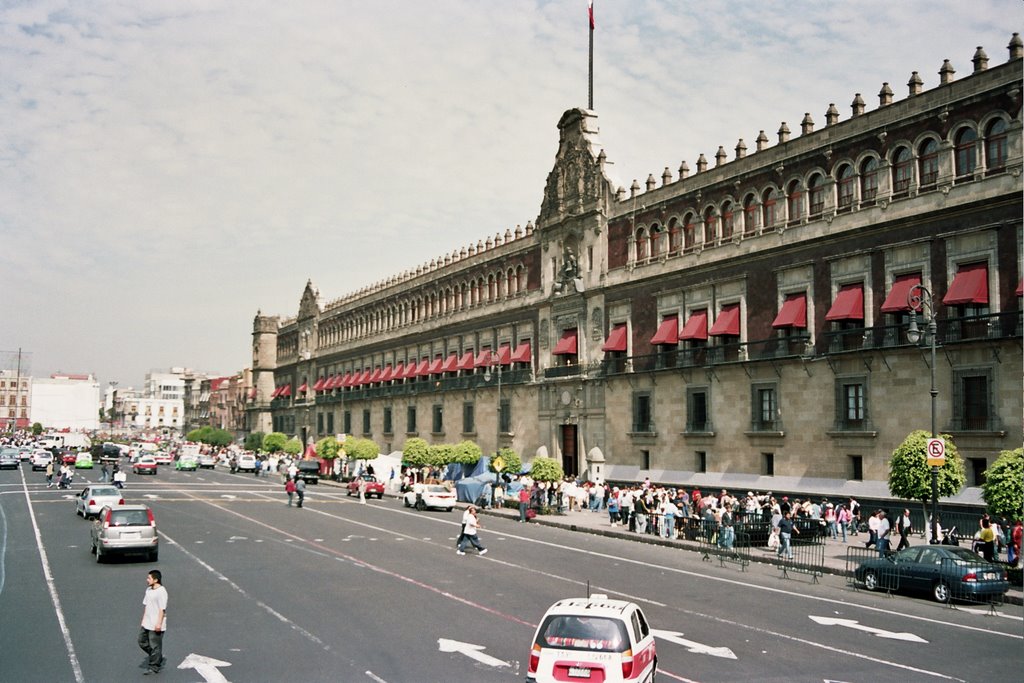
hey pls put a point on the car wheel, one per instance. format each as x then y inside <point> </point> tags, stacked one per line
<point>92,549</point>
<point>380,496</point>
<point>940,591</point>
<point>349,492</point>
<point>871,580</point>
<point>449,509</point>
<point>405,502</point>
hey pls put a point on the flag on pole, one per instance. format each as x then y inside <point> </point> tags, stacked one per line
<point>590,13</point>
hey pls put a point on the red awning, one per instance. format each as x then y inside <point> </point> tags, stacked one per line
<point>365,379</point>
<point>505,354</point>
<point>398,372</point>
<point>329,382</point>
<point>970,286</point>
<point>346,381</point>
<point>668,331</point>
<point>286,391</point>
<point>376,375</point>
<point>849,303</point>
<point>319,386</point>
<point>727,323</point>
<point>566,346</point>
<point>423,369</point>
<point>303,388</point>
<point>793,313</point>
<point>435,366</point>
<point>897,301</point>
<point>451,363</point>
<point>483,359</point>
<point>617,339</point>
<point>466,362</point>
<point>696,326</point>
<point>276,392</point>
<point>523,353</point>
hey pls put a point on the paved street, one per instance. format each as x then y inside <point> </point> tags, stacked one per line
<point>341,591</point>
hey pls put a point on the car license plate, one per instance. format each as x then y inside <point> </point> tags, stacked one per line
<point>579,672</point>
<point>990,576</point>
<point>129,535</point>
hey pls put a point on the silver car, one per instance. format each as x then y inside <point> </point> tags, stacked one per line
<point>9,458</point>
<point>93,497</point>
<point>125,529</point>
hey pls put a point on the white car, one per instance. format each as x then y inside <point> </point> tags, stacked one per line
<point>40,459</point>
<point>161,457</point>
<point>593,639</point>
<point>207,461</point>
<point>244,463</point>
<point>95,497</point>
<point>423,496</point>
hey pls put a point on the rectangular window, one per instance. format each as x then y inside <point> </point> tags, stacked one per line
<point>319,423</point>
<point>972,400</point>
<point>645,460</point>
<point>468,422</point>
<point>976,468</point>
<point>366,420</point>
<point>697,417</point>
<point>330,423</point>
<point>410,420</point>
<point>768,464</point>
<point>388,426</point>
<point>346,422</point>
<point>700,464</point>
<point>851,404</point>
<point>505,416</point>
<point>856,468</point>
<point>642,418</point>
<point>764,401</point>
<point>437,426</point>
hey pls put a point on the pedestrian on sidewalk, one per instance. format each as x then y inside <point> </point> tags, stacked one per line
<point>289,488</point>
<point>524,502</point>
<point>872,531</point>
<point>786,531</point>
<point>471,524</point>
<point>843,519</point>
<point>830,521</point>
<point>904,527</point>
<point>613,507</point>
<point>854,517</point>
<point>300,490</point>
<point>49,474</point>
<point>882,540</point>
<point>154,623</point>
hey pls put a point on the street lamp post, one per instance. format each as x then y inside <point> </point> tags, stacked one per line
<point>919,298</point>
<point>496,363</point>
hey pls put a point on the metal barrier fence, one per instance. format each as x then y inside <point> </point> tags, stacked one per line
<point>865,567</point>
<point>729,544</point>
<point>806,551</point>
<point>968,581</point>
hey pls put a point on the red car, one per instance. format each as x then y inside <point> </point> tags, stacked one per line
<point>69,458</point>
<point>373,487</point>
<point>145,465</point>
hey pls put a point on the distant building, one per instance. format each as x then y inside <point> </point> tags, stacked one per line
<point>741,324</point>
<point>164,416</point>
<point>15,400</point>
<point>64,401</point>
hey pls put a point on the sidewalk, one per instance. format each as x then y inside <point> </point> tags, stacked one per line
<point>597,523</point>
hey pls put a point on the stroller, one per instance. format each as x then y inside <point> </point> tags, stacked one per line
<point>950,537</point>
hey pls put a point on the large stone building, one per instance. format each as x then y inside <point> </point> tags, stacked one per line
<point>743,324</point>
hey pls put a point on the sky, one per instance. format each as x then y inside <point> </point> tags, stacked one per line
<point>169,168</point>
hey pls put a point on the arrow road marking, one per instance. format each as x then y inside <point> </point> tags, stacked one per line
<point>228,496</point>
<point>691,646</point>
<point>850,623</point>
<point>470,650</point>
<point>152,495</point>
<point>205,667</point>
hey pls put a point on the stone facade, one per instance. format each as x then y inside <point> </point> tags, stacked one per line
<point>748,320</point>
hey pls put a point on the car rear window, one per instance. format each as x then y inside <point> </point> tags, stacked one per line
<point>584,633</point>
<point>437,489</point>
<point>106,491</point>
<point>129,518</point>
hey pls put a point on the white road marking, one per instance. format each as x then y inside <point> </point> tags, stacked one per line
<point>207,667</point>
<point>693,646</point>
<point>470,650</point>
<point>856,625</point>
<point>51,585</point>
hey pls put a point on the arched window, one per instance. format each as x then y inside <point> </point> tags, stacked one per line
<point>510,282</point>
<point>966,152</point>
<point>710,226</point>
<point>928,163</point>
<point>795,201</point>
<point>656,241</point>
<point>847,187</point>
<point>902,171</point>
<point>688,232</point>
<point>769,210</point>
<point>641,244</point>
<point>995,146</point>
<point>673,236</point>
<point>869,180</point>
<point>492,288</point>
<point>727,220</point>
<point>816,194</point>
<point>749,214</point>
<point>521,278</point>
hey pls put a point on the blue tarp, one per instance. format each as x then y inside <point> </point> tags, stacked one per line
<point>469,489</point>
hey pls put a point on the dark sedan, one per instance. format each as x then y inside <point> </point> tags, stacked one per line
<point>945,572</point>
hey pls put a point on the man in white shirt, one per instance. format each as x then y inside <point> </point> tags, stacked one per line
<point>470,524</point>
<point>154,623</point>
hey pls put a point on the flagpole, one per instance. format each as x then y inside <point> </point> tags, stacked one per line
<point>590,92</point>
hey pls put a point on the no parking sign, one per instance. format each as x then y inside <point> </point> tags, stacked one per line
<point>936,452</point>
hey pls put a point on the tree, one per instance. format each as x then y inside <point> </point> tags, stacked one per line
<point>910,476</point>
<point>37,429</point>
<point>274,442</point>
<point>254,441</point>
<point>327,448</point>
<point>1003,489</point>
<point>416,453</point>
<point>293,447</point>
<point>546,469</point>
<point>466,453</point>
<point>511,463</point>
<point>210,435</point>
<point>441,454</point>
<point>361,449</point>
